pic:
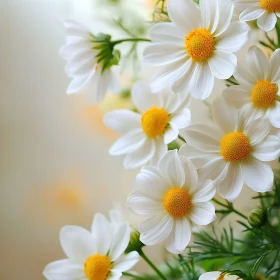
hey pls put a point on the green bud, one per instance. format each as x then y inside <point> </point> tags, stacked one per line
<point>134,243</point>
<point>257,217</point>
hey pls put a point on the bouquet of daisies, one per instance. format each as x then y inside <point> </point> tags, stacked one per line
<point>184,164</point>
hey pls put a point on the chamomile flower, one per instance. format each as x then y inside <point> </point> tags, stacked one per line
<point>148,132</point>
<point>259,87</point>
<point>264,11</point>
<point>172,198</point>
<point>196,46</point>
<point>95,254</point>
<point>217,275</point>
<point>82,63</point>
<point>234,152</point>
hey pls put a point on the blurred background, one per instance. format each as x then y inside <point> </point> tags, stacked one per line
<point>55,167</point>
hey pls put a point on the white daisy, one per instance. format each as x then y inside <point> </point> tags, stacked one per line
<point>93,255</point>
<point>259,88</point>
<point>196,46</point>
<point>234,152</point>
<point>264,11</point>
<point>148,132</point>
<point>171,197</point>
<point>217,275</point>
<point>82,65</point>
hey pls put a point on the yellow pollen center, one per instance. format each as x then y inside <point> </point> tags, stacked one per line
<point>200,44</point>
<point>177,202</point>
<point>235,146</point>
<point>97,267</point>
<point>155,121</point>
<point>271,5</point>
<point>264,94</point>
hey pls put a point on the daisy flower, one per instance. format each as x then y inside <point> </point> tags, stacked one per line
<point>217,275</point>
<point>259,87</point>
<point>234,152</point>
<point>264,11</point>
<point>82,63</point>
<point>196,46</point>
<point>95,254</point>
<point>171,197</point>
<point>148,132</point>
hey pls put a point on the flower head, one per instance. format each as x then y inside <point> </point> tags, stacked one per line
<point>233,152</point>
<point>172,198</point>
<point>259,87</point>
<point>95,254</point>
<point>148,132</point>
<point>89,61</point>
<point>217,275</point>
<point>196,46</point>
<point>264,11</point>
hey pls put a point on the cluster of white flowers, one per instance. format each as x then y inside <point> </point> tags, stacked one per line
<point>174,188</point>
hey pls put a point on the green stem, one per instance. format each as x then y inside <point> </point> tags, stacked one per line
<point>133,276</point>
<point>238,213</point>
<point>130,40</point>
<point>278,32</point>
<point>181,138</point>
<point>147,260</point>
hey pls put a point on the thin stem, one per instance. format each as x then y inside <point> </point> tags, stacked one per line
<point>181,138</point>
<point>141,253</point>
<point>278,32</point>
<point>133,276</point>
<point>130,40</point>
<point>238,213</point>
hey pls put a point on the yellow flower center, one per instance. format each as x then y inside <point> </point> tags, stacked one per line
<point>235,146</point>
<point>177,202</point>
<point>264,94</point>
<point>155,121</point>
<point>200,44</point>
<point>97,267</point>
<point>271,5</point>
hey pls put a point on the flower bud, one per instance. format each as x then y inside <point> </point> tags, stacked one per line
<point>134,243</point>
<point>257,217</point>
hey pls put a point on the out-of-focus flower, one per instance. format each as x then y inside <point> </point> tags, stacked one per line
<point>171,196</point>
<point>259,87</point>
<point>234,152</point>
<point>147,133</point>
<point>95,255</point>
<point>196,46</point>
<point>89,60</point>
<point>217,275</point>
<point>265,11</point>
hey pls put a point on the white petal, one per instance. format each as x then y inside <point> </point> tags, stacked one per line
<point>226,9</point>
<point>126,262</point>
<point>102,85</point>
<point>78,83</point>
<point>77,243</point>
<point>142,205</point>
<point>268,149</point>
<point>114,275</point>
<point>156,229</point>
<point>180,236</point>
<point>101,230</point>
<point>210,275</point>
<point>203,213</point>
<point>275,115</point>
<point>114,83</point>
<point>251,13</point>
<point>64,270</point>
<point>202,81</point>
<point>184,14</point>
<point>237,96</point>
<point>172,170</point>
<point>267,21</point>
<point>233,38</point>
<point>170,134</point>
<point>122,121</point>
<point>191,178</point>
<point>257,63</point>
<point>120,241</point>
<point>242,5</point>
<point>209,14</point>
<point>222,64</point>
<point>257,175</point>
<point>274,67</point>
<point>74,28</point>
<point>245,79</point>
<point>161,149</point>
<point>225,115</point>
<point>167,32</point>
<point>141,156</point>
<point>231,186</point>
<point>128,143</point>
<point>159,54</point>
<point>181,119</point>
<point>203,137</point>
<point>205,193</point>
